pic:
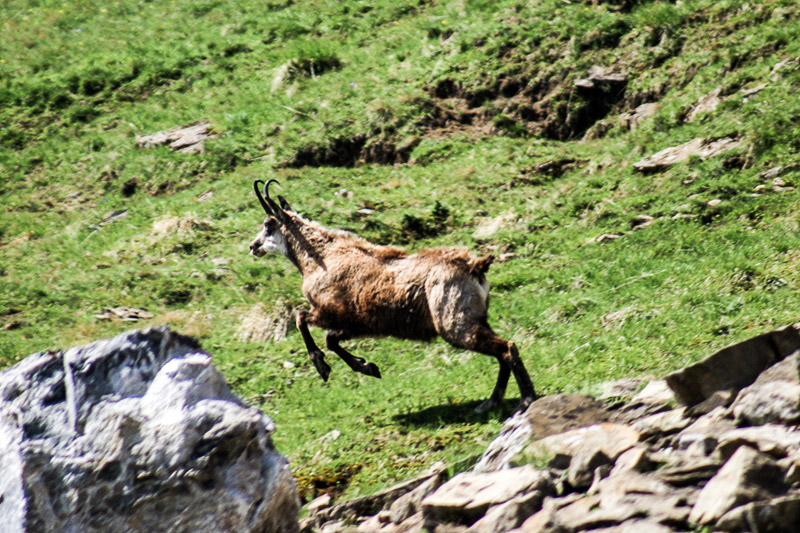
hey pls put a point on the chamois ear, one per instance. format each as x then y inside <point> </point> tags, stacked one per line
<point>284,204</point>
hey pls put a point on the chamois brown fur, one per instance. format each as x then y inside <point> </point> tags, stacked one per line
<point>357,288</point>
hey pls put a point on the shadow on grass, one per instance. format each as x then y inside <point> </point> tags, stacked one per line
<point>451,413</point>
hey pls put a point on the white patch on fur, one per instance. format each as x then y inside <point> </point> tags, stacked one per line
<point>483,290</point>
<point>275,244</point>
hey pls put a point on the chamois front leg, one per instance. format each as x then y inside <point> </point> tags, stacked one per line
<point>358,364</point>
<point>317,357</point>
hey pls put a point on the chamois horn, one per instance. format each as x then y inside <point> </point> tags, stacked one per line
<point>269,204</point>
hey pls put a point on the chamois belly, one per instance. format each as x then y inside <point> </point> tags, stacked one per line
<point>370,308</point>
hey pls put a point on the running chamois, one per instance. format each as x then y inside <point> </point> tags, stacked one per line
<point>359,289</point>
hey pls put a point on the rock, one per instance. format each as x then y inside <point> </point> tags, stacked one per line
<point>733,367</point>
<point>632,120</point>
<point>546,416</point>
<point>705,104</point>
<point>585,449</point>
<point>633,494</point>
<point>319,503</point>
<point>703,148</point>
<point>655,392</point>
<point>779,514</point>
<point>687,470</point>
<point>747,476</point>
<point>489,227</point>
<point>187,139</point>
<point>641,221</point>
<point>611,439</point>
<point>545,520</point>
<point>466,498</point>
<point>605,237</point>
<point>662,424</point>
<point>636,526</point>
<point>771,439</point>
<point>372,504</point>
<point>125,314</point>
<point>136,433</point>
<point>635,459</point>
<point>623,388</point>
<point>720,398</point>
<point>509,515</point>
<point>180,226</point>
<point>712,425</point>
<point>767,403</point>
<point>598,78</point>
<point>410,503</point>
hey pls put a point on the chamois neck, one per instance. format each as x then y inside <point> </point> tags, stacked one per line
<point>309,243</point>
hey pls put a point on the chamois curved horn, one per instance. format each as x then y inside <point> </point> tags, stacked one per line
<point>261,198</point>
<point>276,209</point>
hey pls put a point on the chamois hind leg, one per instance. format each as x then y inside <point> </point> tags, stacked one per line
<point>358,364</point>
<point>483,340</point>
<point>317,357</point>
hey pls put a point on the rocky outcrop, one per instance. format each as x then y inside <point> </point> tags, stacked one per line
<point>702,148</point>
<point>136,433</point>
<point>715,445</point>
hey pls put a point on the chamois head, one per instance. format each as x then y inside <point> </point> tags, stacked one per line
<point>272,239</point>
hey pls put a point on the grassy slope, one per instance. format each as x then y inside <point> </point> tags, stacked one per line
<point>80,80</point>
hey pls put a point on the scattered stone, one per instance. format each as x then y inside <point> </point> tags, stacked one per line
<point>319,503</point>
<point>665,469</point>
<point>733,367</point>
<point>489,227</point>
<point>706,104</point>
<point>703,148</point>
<point>747,476</point>
<point>180,226</point>
<point>509,515</point>
<point>661,424</point>
<point>588,445</point>
<point>125,314</point>
<point>771,439</point>
<point>597,78</point>
<point>260,325</point>
<point>623,388</point>
<point>633,119</point>
<point>605,237</point>
<point>466,498</point>
<point>778,514</point>
<point>409,504</point>
<point>765,403</point>
<point>139,432</point>
<point>720,398</point>
<point>372,504</point>
<point>689,470</point>
<point>641,221</point>
<point>636,459</point>
<point>656,392</point>
<point>546,416</point>
<point>187,139</point>
<point>636,526</point>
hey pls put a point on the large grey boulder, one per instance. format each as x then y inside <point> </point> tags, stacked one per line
<point>136,433</point>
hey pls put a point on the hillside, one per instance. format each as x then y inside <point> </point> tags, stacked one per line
<point>512,128</point>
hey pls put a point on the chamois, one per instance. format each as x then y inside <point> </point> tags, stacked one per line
<point>357,288</point>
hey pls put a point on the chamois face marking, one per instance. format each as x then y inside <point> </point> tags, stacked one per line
<point>270,240</point>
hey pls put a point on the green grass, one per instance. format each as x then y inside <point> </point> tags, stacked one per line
<point>482,94</point>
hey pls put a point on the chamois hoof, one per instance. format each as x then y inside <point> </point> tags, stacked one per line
<point>322,367</point>
<point>523,404</point>
<point>487,405</point>
<point>371,369</point>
